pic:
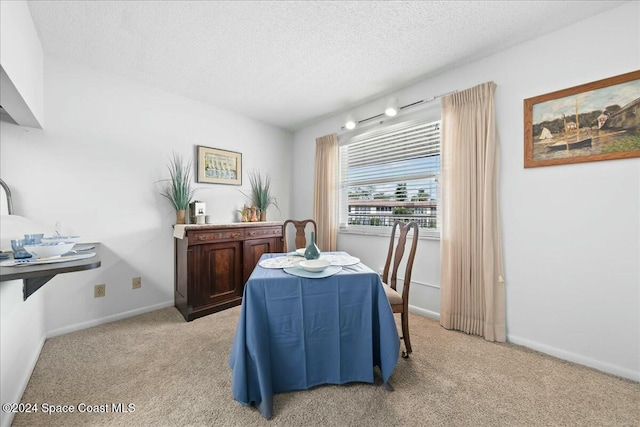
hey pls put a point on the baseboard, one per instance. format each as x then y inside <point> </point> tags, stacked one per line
<point>427,313</point>
<point>552,351</point>
<point>107,319</point>
<point>576,358</point>
<point>429,285</point>
<point>6,421</point>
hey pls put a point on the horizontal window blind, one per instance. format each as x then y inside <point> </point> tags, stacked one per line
<point>391,173</point>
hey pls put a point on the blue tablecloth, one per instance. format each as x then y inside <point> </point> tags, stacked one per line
<point>295,333</point>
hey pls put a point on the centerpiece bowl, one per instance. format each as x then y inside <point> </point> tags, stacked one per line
<point>314,265</point>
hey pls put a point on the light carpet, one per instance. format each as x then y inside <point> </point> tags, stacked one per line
<point>176,374</point>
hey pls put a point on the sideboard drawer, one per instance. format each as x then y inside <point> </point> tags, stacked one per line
<point>215,236</point>
<point>264,232</point>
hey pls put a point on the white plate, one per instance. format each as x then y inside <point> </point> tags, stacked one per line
<point>280,262</point>
<point>329,271</point>
<point>341,258</point>
<point>83,247</point>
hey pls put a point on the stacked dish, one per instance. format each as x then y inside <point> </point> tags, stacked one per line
<point>60,239</point>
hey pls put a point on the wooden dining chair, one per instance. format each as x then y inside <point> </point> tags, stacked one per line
<point>400,303</point>
<point>300,228</point>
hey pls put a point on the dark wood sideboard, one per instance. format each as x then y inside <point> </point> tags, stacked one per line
<point>214,261</point>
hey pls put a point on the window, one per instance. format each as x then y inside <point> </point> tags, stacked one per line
<point>390,174</point>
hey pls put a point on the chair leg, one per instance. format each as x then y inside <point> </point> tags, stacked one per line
<point>404,316</point>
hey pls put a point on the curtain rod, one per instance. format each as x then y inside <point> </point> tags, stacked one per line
<point>413,104</point>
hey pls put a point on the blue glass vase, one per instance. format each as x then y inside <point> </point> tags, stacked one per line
<point>312,251</point>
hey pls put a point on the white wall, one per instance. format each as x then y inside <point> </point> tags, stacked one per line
<point>22,333</point>
<point>21,60</point>
<point>571,233</point>
<point>95,167</point>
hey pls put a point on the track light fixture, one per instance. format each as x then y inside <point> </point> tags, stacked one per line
<point>392,107</point>
<point>350,123</point>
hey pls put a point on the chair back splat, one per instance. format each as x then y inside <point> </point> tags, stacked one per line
<point>300,236</point>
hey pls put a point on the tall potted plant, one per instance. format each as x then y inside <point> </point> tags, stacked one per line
<point>261,196</point>
<point>178,188</point>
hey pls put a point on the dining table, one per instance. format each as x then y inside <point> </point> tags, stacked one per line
<point>300,329</point>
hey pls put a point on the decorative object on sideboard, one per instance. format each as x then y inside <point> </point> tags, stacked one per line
<point>245,213</point>
<point>261,196</point>
<point>197,208</point>
<point>254,214</point>
<point>178,187</point>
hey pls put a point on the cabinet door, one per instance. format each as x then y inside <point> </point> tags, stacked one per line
<point>220,273</point>
<point>253,250</point>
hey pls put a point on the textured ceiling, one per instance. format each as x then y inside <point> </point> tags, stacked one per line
<point>290,63</point>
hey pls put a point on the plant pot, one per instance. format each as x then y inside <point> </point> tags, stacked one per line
<point>180,216</point>
<point>263,215</point>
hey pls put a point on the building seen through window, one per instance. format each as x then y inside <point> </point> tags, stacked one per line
<point>391,174</point>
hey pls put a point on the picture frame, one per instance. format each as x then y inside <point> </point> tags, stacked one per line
<point>590,122</point>
<point>216,166</point>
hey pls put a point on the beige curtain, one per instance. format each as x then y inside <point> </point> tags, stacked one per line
<point>472,284</point>
<point>325,197</point>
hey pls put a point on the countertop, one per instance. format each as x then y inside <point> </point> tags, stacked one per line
<point>232,224</point>
<point>34,276</point>
<point>180,229</point>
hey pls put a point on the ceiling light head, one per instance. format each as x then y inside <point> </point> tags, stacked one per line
<point>350,123</point>
<point>392,107</point>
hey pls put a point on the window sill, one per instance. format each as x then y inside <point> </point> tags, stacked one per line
<point>425,235</point>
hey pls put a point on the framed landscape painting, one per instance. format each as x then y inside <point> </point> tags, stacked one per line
<point>219,166</point>
<point>594,121</point>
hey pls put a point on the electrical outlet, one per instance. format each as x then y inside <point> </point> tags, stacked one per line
<point>136,283</point>
<point>99,291</point>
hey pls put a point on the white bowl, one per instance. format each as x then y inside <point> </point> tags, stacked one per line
<point>314,265</point>
<point>300,251</point>
<point>49,250</point>
<point>58,239</point>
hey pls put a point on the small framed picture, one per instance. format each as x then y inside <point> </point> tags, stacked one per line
<point>219,166</point>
